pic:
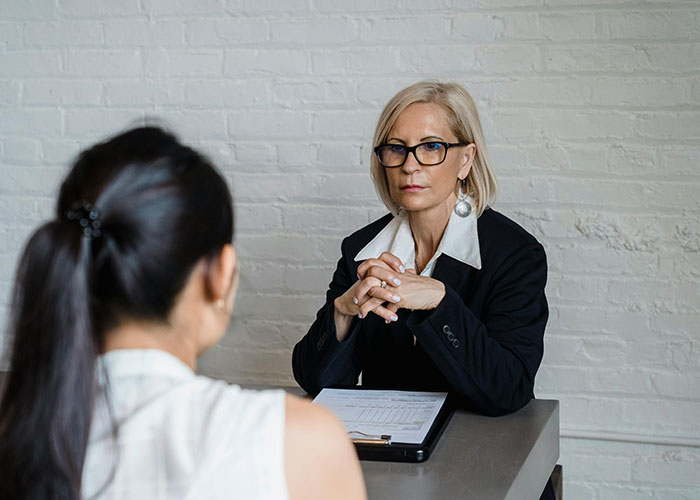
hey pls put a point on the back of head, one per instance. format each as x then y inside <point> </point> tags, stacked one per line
<point>134,215</point>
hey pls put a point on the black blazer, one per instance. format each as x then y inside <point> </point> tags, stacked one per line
<point>483,342</point>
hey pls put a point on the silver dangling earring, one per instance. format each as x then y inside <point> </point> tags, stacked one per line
<point>462,207</point>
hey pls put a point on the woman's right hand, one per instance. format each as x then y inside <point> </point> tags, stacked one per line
<point>367,294</point>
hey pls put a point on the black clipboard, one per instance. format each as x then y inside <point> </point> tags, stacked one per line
<point>385,450</point>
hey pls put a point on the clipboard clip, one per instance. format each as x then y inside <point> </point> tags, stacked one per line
<point>380,439</point>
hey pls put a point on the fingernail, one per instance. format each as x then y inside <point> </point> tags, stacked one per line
<point>359,315</point>
<point>396,298</point>
<point>402,269</point>
<point>397,281</point>
<point>355,301</point>
<point>387,321</point>
<point>394,317</point>
<point>358,276</point>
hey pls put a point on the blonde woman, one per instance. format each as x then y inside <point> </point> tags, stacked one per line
<point>443,293</point>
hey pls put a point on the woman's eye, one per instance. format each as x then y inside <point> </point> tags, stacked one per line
<point>396,148</point>
<point>432,146</point>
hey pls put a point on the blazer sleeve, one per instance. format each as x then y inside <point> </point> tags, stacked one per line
<point>318,359</point>
<point>491,360</point>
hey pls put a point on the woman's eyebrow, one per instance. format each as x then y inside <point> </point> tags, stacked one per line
<point>421,139</point>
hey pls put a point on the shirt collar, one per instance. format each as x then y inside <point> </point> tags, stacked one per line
<point>140,362</point>
<point>460,241</point>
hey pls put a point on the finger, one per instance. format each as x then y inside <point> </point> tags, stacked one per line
<point>368,306</point>
<point>384,313</point>
<point>364,266</point>
<point>393,307</point>
<point>393,261</point>
<point>383,274</point>
<point>387,294</point>
<point>344,305</point>
<point>362,287</point>
<point>411,271</point>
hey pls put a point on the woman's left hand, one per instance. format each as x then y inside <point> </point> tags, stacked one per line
<point>416,292</point>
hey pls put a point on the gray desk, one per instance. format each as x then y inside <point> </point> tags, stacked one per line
<point>477,457</point>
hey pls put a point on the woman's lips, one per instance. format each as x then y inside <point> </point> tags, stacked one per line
<point>412,188</point>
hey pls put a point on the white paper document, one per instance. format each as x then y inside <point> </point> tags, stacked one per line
<point>406,416</point>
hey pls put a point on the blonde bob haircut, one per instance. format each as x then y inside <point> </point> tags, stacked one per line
<point>464,123</point>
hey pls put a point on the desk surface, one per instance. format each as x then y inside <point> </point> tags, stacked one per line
<point>478,457</point>
<point>509,457</point>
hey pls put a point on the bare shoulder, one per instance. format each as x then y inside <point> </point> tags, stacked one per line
<point>314,429</point>
<point>320,461</point>
<point>303,415</point>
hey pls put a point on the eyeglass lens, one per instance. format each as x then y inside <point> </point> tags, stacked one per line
<point>428,153</point>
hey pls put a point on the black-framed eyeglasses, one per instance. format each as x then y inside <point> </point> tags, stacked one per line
<point>426,153</point>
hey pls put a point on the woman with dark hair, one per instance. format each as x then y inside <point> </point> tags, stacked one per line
<point>114,300</point>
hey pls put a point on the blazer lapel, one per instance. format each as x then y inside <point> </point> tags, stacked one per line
<point>451,272</point>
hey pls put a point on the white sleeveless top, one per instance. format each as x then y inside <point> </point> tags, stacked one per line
<point>181,435</point>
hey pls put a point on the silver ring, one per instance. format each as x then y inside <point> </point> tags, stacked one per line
<point>383,284</point>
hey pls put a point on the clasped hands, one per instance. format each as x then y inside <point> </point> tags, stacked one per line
<point>384,286</point>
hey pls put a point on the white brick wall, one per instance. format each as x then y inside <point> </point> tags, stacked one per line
<point>592,111</point>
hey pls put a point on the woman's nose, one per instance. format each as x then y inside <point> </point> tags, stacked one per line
<point>411,164</point>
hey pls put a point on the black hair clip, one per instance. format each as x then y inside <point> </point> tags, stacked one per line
<point>87,216</point>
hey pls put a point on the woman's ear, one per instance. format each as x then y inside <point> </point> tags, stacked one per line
<point>220,273</point>
<point>467,161</point>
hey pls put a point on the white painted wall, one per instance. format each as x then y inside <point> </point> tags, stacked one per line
<point>591,109</point>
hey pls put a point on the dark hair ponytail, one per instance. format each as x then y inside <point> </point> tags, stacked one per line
<point>162,207</point>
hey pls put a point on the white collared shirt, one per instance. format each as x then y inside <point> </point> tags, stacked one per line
<point>460,241</point>
<point>182,436</point>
